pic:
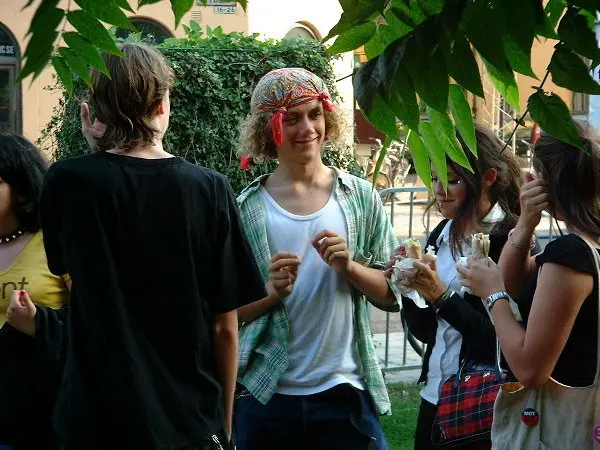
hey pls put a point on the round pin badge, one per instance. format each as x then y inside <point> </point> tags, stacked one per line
<point>530,417</point>
<point>597,434</point>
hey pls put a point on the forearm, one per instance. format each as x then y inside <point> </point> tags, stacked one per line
<point>512,340</point>
<point>252,311</point>
<point>515,261</point>
<point>371,282</point>
<point>474,325</point>
<point>226,355</point>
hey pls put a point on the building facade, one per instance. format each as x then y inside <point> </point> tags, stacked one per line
<point>27,107</point>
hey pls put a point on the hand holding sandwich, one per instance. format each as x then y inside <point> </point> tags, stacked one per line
<point>427,281</point>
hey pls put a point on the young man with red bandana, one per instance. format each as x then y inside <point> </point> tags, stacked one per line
<point>309,377</point>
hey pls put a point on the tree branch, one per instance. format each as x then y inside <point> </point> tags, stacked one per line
<point>521,119</point>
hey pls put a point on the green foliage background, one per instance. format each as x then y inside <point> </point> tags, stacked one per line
<point>215,75</point>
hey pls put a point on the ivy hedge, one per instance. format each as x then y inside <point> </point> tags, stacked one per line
<point>215,75</point>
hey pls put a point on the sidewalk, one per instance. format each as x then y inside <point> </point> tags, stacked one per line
<point>396,357</point>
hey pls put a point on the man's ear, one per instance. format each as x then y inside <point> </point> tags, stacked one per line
<point>160,109</point>
<point>489,177</point>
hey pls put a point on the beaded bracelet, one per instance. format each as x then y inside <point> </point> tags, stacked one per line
<point>521,247</point>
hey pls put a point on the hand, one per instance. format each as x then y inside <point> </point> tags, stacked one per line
<point>534,199</point>
<point>333,250</point>
<point>482,279</point>
<point>283,272</point>
<point>397,254</point>
<point>91,131</point>
<point>21,312</point>
<point>426,281</point>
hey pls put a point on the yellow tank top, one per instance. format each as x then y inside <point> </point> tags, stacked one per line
<point>30,271</point>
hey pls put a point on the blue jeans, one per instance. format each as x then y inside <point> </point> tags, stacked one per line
<point>341,418</point>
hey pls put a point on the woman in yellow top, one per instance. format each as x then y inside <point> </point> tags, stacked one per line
<point>23,267</point>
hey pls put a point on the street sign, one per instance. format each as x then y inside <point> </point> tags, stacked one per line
<point>225,9</point>
<point>216,3</point>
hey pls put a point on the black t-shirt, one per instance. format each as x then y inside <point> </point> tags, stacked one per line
<point>155,249</point>
<point>576,365</point>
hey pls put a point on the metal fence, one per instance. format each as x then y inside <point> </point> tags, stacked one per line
<point>398,201</point>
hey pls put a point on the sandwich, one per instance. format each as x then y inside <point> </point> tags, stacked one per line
<point>480,247</point>
<point>413,248</point>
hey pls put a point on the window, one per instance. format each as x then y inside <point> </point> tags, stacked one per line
<point>10,91</point>
<point>151,31</point>
<point>301,31</point>
<point>581,104</point>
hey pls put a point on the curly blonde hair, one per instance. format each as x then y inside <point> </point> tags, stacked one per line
<point>256,138</point>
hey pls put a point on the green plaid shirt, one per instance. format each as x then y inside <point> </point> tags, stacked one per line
<point>264,341</point>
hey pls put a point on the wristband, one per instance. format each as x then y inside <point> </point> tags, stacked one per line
<point>439,304</point>
<point>521,247</point>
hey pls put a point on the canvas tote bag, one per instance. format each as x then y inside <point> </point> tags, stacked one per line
<point>560,417</point>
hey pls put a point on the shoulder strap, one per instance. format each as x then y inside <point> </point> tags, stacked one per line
<point>597,265</point>
<point>435,234</point>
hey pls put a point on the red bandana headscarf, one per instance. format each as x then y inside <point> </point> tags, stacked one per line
<point>280,90</point>
<point>286,88</point>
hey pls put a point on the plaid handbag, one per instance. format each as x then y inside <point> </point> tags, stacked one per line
<point>466,404</point>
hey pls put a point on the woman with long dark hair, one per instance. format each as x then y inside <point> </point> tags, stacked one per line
<point>455,325</point>
<point>557,290</point>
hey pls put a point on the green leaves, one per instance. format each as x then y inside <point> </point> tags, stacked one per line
<point>589,5</point>
<point>463,116</point>
<point>426,65</point>
<point>576,34</point>
<point>436,152</point>
<point>446,136</point>
<point>554,10</point>
<point>43,33</point>
<point>519,35</point>
<point>93,31</point>
<point>431,7</point>
<point>356,12</point>
<point>123,4</point>
<point>554,117</point>
<point>384,36</point>
<point>417,45</point>
<point>106,11</point>
<point>76,64</point>
<point>569,71</point>
<point>420,158</point>
<point>86,51</point>
<point>483,25</point>
<point>366,85</point>
<point>353,38</point>
<point>147,2</point>
<point>180,8</point>
<point>382,117</point>
<point>63,72</point>
<point>463,67</point>
<point>505,82</point>
<point>397,86</point>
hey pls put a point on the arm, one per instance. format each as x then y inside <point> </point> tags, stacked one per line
<point>225,338</point>
<point>532,354</point>
<point>283,271</point>
<point>252,311</point>
<point>475,326</point>
<point>515,262</point>
<point>380,243</point>
<point>421,322</point>
<point>371,282</point>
